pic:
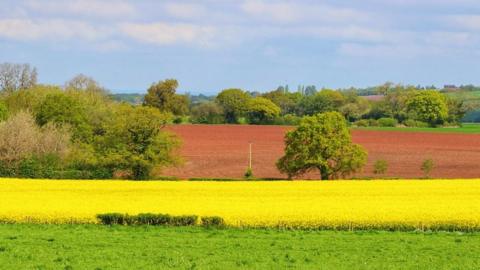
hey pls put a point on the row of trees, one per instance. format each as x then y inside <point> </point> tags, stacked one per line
<point>77,131</point>
<point>410,106</point>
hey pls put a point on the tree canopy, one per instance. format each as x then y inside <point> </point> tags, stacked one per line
<point>261,110</point>
<point>234,103</point>
<point>428,106</point>
<point>162,95</point>
<point>321,142</point>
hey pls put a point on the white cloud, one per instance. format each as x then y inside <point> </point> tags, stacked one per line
<point>185,10</point>
<point>161,33</point>
<point>95,8</point>
<point>294,12</point>
<point>25,29</point>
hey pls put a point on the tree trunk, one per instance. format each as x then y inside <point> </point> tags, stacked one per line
<point>324,175</point>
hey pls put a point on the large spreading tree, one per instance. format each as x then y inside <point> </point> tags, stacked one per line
<point>321,142</point>
<point>163,96</point>
<point>429,106</point>
<point>234,103</point>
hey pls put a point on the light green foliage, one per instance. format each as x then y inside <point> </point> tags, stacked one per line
<point>428,106</point>
<point>380,166</point>
<point>28,99</point>
<point>324,101</point>
<point>393,104</point>
<point>387,122</point>
<point>125,247</point>
<point>62,109</point>
<point>261,110</point>
<point>427,167</point>
<point>134,141</point>
<point>285,100</point>
<point>321,142</point>
<point>162,95</point>
<point>207,113</point>
<point>234,103</point>
<point>3,112</point>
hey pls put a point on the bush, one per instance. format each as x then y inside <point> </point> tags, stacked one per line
<point>380,167</point>
<point>213,221</point>
<point>249,173</point>
<point>147,219</point>
<point>427,167</point>
<point>112,218</point>
<point>387,122</point>
<point>362,123</point>
<point>373,122</point>
<point>188,220</point>
<point>287,120</point>
<point>414,123</point>
<point>153,219</point>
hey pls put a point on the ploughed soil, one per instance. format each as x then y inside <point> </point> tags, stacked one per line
<point>222,151</point>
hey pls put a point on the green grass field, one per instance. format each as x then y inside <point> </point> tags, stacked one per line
<point>103,247</point>
<point>470,128</point>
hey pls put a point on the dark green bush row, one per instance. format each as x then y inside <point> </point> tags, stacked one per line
<point>50,167</point>
<point>158,220</point>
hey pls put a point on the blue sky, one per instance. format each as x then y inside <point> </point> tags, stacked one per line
<point>210,45</point>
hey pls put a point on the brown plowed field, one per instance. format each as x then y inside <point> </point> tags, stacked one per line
<point>222,151</point>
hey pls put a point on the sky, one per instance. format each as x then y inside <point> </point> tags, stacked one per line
<point>256,45</point>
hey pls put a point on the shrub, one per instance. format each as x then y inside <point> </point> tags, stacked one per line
<point>380,167</point>
<point>387,122</point>
<point>213,221</point>
<point>249,173</point>
<point>187,220</point>
<point>373,122</point>
<point>153,219</point>
<point>111,218</point>
<point>414,123</point>
<point>147,219</point>
<point>288,120</point>
<point>427,167</point>
<point>362,123</point>
<point>21,138</point>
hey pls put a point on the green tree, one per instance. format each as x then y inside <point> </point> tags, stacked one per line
<point>29,99</point>
<point>427,106</point>
<point>134,141</point>
<point>321,142</point>
<point>207,113</point>
<point>324,101</point>
<point>234,103</point>
<point>355,109</point>
<point>285,100</point>
<point>62,109</point>
<point>261,110</point>
<point>162,95</point>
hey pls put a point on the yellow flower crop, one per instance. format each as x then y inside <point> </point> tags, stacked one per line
<point>399,204</point>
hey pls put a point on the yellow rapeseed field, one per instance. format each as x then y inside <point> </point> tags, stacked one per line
<point>408,204</point>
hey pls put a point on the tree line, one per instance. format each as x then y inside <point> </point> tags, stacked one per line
<point>393,105</point>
